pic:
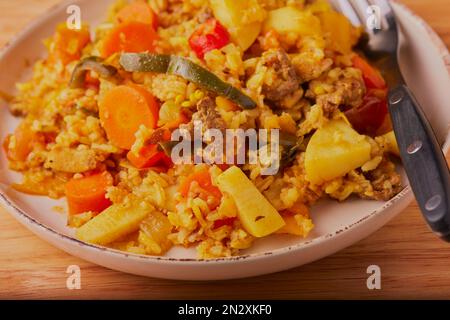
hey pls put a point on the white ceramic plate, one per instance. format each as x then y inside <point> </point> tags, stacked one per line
<point>424,61</point>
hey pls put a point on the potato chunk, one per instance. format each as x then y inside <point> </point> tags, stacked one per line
<point>257,215</point>
<point>333,151</point>
<point>340,35</point>
<point>292,20</point>
<point>243,19</point>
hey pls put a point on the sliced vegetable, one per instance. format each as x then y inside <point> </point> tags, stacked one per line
<point>297,220</point>
<point>386,126</point>
<point>147,62</point>
<point>204,181</point>
<point>296,224</point>
<point>292,20</point>
<point>149,156</point>
<point>367,118</point>
<point>24,138</point>
<point>88,193</point>
<point>130,37</point>
<point>82,69</point>
<point>123,110</point>
<point>333,151</point>
<point>209,36</point>
<point>68,43</point>
<point>340,35</point>
<point>257,215</point>
<point>113,223</point>
<point>372,76</point>
<point>243,19</point>
<point>138,11</point>
<point>370,116</point>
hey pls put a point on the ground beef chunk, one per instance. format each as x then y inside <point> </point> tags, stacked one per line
<point>348,92</point>
<point>285,80</point>
<point>208,114</point>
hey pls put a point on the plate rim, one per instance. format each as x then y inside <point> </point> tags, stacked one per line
<point>29,221</point>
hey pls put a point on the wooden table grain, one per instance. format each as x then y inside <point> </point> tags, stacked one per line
<point>414,264</point>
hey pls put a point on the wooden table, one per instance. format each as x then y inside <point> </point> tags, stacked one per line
<point>414,264</point>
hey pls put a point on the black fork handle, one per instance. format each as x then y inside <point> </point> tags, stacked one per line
<point>423,159</point>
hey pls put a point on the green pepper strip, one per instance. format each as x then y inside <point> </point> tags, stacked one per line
<point>91,63</point>
<point>170,64</point>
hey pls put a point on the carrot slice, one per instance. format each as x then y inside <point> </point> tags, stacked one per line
<point>123,110</point>
<point>203,178</point>
<point>130,37</point>
<point>372,76</point>
<point>23,144</point>
<point>68,44</point>
<point>88,193</point>
<point>138,11</point>
<point>149,156</point>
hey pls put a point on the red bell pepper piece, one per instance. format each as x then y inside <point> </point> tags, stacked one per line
<point>209,36</point>
<point>367,118</point>
<point>372,77</point>
<point>224,222</point>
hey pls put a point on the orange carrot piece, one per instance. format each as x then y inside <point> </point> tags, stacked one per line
<point>130,37</point>
<point>203,178</point>
<point>291,226</point>
<point>372,76</point>
<point>300,208</point>
<point>138,11</point>
<point>68,44</point>
<point>149,156</point>
<point>24,140</point>
<point>123,110</point>
<point>88,193</point>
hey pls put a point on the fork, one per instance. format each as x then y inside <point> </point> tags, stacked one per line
<point>421,154</point>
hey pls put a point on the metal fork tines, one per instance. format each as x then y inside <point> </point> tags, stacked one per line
<point>426,168</point>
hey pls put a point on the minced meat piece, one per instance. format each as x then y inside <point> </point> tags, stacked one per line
<point>208,114</point>
<point>285,80</point>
